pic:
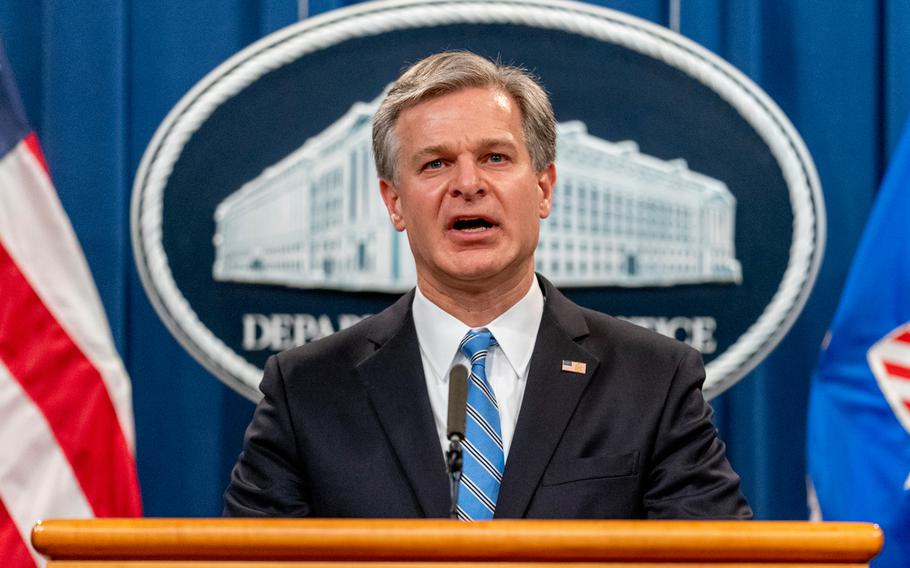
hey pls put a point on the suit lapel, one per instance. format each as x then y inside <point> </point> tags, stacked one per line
<point>393,377</point>
<point>550,398</point>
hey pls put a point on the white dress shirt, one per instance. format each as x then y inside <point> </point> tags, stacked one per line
<point>439,335</point>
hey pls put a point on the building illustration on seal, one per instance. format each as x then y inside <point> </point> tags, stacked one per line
<point>620,218</point>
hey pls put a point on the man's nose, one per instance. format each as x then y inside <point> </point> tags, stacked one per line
<point>468,179</point>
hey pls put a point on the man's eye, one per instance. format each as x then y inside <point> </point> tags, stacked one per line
<point>433,165</point>
<point>497,158</point>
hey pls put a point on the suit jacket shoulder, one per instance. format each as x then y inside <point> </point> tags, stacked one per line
<point>348,347</point>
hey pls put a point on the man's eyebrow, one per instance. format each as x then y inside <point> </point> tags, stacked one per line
<point>431,151</point>
<point>484,143</point>
<point>491,142</point>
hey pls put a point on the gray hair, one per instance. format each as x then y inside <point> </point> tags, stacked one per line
<point>450,71</point>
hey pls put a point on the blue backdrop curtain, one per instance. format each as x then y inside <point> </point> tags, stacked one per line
<point>98,77</point>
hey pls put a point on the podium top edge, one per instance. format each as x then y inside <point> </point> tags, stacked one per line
<point>446,540</point>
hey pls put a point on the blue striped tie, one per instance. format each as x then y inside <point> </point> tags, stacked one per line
<point>483,457</point>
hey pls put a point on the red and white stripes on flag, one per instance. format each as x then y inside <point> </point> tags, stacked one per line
<point>67,444</point>
<point>889,359</point>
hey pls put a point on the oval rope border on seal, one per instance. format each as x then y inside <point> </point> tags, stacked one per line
<point>288,45</point>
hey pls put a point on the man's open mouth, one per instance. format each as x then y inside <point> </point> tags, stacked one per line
<point>472,225</point>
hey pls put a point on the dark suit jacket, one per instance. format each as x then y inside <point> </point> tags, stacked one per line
<point>346,430</point>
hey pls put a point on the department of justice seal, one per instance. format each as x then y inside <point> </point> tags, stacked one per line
<point>686,202</point>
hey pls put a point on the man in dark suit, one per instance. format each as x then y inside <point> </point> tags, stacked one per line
<point>571,413</point>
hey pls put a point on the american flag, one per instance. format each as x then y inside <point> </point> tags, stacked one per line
<point>889,359</point>
<point>66,420</point>
<point>574,366</point>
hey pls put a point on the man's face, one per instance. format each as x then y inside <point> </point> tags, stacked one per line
<point>467,193</point>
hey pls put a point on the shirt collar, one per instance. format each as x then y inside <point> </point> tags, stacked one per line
<point>439,333</point>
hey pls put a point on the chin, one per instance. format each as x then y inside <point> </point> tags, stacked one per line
<point>480,271</point>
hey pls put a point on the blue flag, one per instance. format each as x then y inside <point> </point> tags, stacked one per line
<point>859,409</point>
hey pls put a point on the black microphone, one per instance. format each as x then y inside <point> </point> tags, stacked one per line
<point>458,403</point>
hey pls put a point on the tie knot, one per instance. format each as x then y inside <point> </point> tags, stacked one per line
<point>476,341</point>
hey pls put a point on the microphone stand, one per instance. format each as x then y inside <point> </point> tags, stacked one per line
<point>458,400</point>
<point>454,465</point>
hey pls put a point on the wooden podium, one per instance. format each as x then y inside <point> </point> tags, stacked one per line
<point>323,543</point>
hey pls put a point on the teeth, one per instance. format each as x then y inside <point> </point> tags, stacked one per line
<point>475,229</point>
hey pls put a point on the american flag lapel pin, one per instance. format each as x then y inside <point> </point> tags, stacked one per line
<point>574,367</point>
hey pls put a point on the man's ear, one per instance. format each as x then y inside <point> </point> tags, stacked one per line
<point>392,203</point>
<point>546,182</point>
